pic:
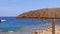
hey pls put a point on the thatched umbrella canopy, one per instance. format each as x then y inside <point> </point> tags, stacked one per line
<point>47,13</point>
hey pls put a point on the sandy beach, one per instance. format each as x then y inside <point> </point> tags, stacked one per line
<point>48,30</point>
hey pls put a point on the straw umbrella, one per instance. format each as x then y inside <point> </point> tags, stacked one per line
<point>47,13</point>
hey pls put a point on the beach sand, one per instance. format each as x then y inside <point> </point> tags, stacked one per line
<point>48,30</point>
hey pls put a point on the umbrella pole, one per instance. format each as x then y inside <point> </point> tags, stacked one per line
<point>53,26</point>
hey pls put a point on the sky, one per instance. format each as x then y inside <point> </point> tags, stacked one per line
<point>16,7</point>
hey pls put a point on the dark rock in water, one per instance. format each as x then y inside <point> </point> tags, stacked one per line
<point>2,20</point>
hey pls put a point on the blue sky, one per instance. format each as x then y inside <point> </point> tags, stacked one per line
<point>16,7</point>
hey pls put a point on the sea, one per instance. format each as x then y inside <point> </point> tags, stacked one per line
<point>12,23</point>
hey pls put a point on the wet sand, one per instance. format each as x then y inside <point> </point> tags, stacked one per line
<point>24,30</point>
<point>33,28</point>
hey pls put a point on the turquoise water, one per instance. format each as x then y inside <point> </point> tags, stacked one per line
<point>15,24</point>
